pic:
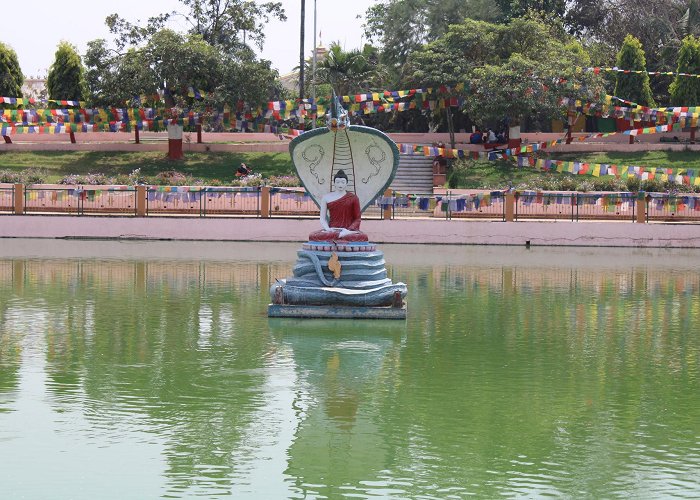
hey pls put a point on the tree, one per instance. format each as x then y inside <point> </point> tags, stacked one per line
<point>175,61</point>
<point>518,8</point>
<point>66,79</point>
<point>685,91</point>
<point>633,86</point>
<point>352,71</point>
<point>400,27</point>
<point>227,24</point>
<point>213,55</point>
<point>660,26</point>
<point>532,68</point>
<point>11,77</point>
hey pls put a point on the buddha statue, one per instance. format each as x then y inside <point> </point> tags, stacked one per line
<point>340,214</point>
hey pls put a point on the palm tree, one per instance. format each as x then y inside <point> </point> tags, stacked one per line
<point>352,71</point>
<point>690,20</point>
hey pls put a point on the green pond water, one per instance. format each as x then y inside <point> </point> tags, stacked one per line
<point>148,370</point>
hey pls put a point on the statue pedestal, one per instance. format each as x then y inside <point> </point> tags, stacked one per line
<point>337,312</point>
<point>336,280</point>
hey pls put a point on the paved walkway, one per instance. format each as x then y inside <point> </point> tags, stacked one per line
<point>259,142</point>
<point>432,231</point>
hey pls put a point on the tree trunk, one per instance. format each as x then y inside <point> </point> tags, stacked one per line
<point>450,127</point>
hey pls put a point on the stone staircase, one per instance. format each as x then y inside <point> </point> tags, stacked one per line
<point>415,175</point>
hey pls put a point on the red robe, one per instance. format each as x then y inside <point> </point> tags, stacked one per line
<point>344,213</point>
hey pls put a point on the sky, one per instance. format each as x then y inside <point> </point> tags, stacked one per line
<point>79,21</point>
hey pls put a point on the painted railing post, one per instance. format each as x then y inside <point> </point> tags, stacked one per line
<point>641,207</point>
<point>199,133</point>
<point>386,213</point>
<point>265,202</point>
<point>140,201</point>
<point>19,199</point>
<point>510,207</point>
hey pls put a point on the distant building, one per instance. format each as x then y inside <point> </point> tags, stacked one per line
<point>290,81</point>
<point>34,87</point>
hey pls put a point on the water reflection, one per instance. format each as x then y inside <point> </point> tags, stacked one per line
<point>516,374</point>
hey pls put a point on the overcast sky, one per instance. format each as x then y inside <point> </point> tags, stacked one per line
<point>43,24</point>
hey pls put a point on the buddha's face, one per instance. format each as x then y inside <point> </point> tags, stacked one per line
<point>340,183</point>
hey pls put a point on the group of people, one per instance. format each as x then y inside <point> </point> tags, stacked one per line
<point>488,137</point>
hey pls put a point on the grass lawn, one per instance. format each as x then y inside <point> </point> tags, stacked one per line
<point>476,174</point>
<point>205,166</point>
<point>668,159</point>
<point>221,166</point>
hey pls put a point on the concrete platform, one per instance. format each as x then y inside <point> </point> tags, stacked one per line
<point>415,231</point>
<point>335,312</point>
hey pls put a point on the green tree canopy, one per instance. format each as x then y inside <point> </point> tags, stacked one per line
<point>66,78</point>
<point>685,91</point>
<point>351,71</point>
<point>400,27</point>
<point>518,8</point>
<point>175,62</point>
<point>227,24</point>
<point>11,77</point>
<point>214,54</point>
<point>633,86</point>
<point>510,71</point>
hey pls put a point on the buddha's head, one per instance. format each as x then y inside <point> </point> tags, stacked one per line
<point>340,181</point>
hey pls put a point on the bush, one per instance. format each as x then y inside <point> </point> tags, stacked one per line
<point>8,176</point>
<point>175,178</point>
<point>652,185</point>
<point>569,183</point>
<point>248,180</point>
<point>633,183</point>
<point>608,183</point>
<point>34,176</point>
<point>89,179</point>
<point>585,186</point>
<point>458,173</point>
<point>284,181</point>
<point>29,176</point>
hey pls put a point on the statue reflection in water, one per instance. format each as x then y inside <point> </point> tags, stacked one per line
<point>342,370</point>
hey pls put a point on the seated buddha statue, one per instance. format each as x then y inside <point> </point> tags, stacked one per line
<point>340,214</point>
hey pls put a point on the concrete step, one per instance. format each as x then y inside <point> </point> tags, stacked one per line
<point>415,175</point>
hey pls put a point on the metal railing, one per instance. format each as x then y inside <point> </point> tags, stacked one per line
<point>80,200</point>
<point>7,199</point>
<point>669,208</point>
<point>479,205</point>
<point>296,202</point>
<point>52,200</point>
<point>202,201</point>
<point>292,202</point>
<point>574,206</point>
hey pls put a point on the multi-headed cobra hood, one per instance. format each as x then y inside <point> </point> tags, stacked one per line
<point>367,156</point>
<point>337,117</point>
